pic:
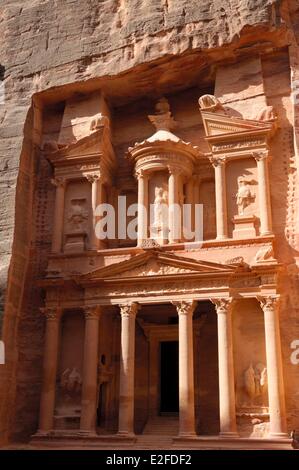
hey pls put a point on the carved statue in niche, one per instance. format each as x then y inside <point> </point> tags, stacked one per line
<point>255,384</point>
<point>71,380</point>
<point>244,194</point>
<point>160,223</point>
<point>78,215</point>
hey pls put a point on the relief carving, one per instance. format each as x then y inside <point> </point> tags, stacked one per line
<point>244,195</point>
<point>252,389</point>
<point>70,386</point>
<point>268,113</point>
<point>264,254</point>
<point>152,268</point>
<point>163,119</point>
<point>77,215</point>
<point>211,103</point>
<point>99,121</point>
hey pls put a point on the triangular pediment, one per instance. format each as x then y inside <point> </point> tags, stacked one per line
<point>90,144</point>
<point>220,124</point>
<point>153,263</point>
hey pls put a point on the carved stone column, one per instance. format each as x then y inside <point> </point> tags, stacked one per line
<point>142,206</point>
<point>127,366</point>
<point>227,401</point>
<point>95,181</point>
<point>264,192</point>
<point>90,370</point>
<point>48,393</point>
<point>190,200</point>
<point>277,410</point>
<point>185,311</point>
<point>174,219</point>
<point>196,189</point>
<point>60,184</point>
<point>221,200</point>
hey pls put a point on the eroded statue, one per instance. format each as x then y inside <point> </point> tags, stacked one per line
<point>244,195</point>
<point>255,382</point>
<point>211,103</point>
<point>77,215</point>
<point>160,213</point>
<point>70,380</point>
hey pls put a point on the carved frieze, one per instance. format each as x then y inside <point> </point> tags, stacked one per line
<point>152,289</point>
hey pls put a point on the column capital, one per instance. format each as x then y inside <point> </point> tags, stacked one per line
<point>92,312</point>
<point>51,313</point>
<point>129,310</point>
<point>262,155</point>
<point>140,173</point>
<point>217,161</point>
<point>185,307</point>
<point>173,170</point>
<point>58,181</point>
<point>223,305</point>
<point>268,302</point>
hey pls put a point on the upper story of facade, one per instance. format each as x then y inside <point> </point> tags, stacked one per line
<point>181,173</point>
<point>188,169</point>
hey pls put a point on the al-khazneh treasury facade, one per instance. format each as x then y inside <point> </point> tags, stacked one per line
<point>159,341</point>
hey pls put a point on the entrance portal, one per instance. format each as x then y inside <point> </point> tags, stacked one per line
<point>169,377</point>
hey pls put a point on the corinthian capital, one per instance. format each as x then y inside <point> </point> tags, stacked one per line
<point>217,161</point>
<point>92,177</point>
<point>173,170</point>
<point>269,302</point>
<point>129,310</point>
<point>185,307</point>
<point>223,305</point>
<point>91,312</point>
<point>58,181</point>
<point>140,173</point>
<point>260,155</point>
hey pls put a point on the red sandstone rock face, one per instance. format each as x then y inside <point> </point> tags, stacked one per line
<point>46,44</point>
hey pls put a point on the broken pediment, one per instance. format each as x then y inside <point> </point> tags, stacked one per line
<point>89,147</point>
<point>152,263</point>
<point>219,124</point>
<point>231,136</point>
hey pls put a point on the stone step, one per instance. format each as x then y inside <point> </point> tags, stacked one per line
<point>162,426</point>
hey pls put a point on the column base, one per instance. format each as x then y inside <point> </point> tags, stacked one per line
<point>87,433</point>
<point>278,435</point>
<point>229,435</point>
<point>187,435</point>
<point>40,433</point>
<point>266,234</point>
<point>126,434</point>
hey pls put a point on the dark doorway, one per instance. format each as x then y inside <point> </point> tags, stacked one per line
<point>101,411</point>
<point>169,377</point>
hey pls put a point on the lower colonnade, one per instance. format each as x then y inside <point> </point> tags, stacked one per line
<point>185,309</point>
